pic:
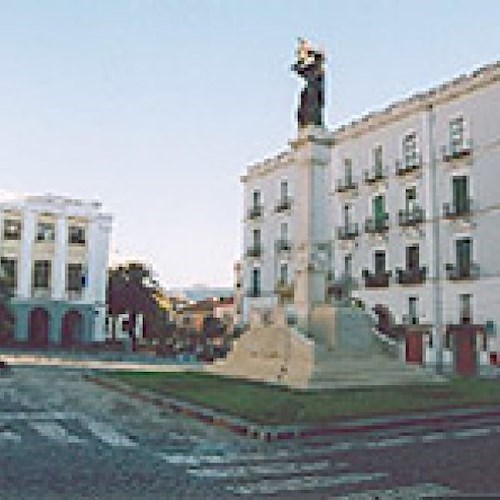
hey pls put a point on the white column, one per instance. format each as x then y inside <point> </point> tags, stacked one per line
<point>26,264</point>
<point>60,258</point>
<point>92,238</point>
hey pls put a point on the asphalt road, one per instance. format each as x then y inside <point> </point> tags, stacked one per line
<point>64,437</point>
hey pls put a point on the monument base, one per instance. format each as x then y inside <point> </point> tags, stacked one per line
<point>342,353</point>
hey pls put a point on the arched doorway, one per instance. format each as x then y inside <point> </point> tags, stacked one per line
<point>38,328</point>
<point>72,328</point>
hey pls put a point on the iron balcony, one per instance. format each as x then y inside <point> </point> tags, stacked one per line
<point>348,231</point>
<point>410,164</point>
<point>379,224</point>
<point>376,280</point>
<point>411,276</point>
<point>411,217</point>
<point>344,185</point>
<point>255,212</point>
<point>456,210</point>
<point>456,151</point>
<point>462,272</point>
<point>283,204</point>
<point>255,251</point>
<point>375,174</point>
<point>283,245</point>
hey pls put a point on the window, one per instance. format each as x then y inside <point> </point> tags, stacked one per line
<point>348,171</point>
<point>256,282</point>
<point>464,256</point>
<point>41,274</point>
<point>45,231</point>
<point>410,149</point>
<point>348,264</point>
<point>256,199</point>
<point>379,262</point>
<point>74,278</point>
<point>284,273</point>
<point>284,190</point>
<point>76,235</point>
<point>456,134</point>
<point>412,310</point>
<point>346,215</point>
<point>410,198</point>
<point>284,231</point>
<point>465,306</point>
<point>256,238</point>
<point>412,258</point>
<point>9,273</point>
<point>379,209</point>
<point>460,190</point>
<point>12,229</point>
<point>378,159</point>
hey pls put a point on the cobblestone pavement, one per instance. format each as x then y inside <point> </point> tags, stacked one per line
<point>64,437</point>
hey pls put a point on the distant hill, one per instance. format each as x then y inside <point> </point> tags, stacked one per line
<point>197,293</point>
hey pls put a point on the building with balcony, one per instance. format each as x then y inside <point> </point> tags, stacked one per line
<point>54,256</point>
<point>403,202</point>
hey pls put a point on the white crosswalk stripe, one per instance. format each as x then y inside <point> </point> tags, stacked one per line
<point>8,435</point>
<point>266,469</point>
<point>302,483</point>
<point>108,435</point>
<point>414,492</point>
<point>56,432</point>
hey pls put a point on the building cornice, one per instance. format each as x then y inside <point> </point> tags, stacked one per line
<point>436,96</point>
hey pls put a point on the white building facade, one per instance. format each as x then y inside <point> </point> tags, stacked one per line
<point>54,257</point>
<point>409,198</point>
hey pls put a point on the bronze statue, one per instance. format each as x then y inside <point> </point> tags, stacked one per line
<point>310,66</point>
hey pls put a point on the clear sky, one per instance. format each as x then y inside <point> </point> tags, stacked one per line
<point>155,107</point>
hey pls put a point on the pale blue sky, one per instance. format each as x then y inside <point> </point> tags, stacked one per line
<point>156,107</point>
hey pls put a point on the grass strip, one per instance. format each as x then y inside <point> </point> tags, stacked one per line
<point>270,405</point>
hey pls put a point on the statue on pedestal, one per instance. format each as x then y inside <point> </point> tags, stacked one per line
<point>310,66</point>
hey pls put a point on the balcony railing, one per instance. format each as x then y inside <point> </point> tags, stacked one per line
<point>456,210</point>
<point>253,293</point>
<point>40,293</point>
<point>283,245</point>
<point>255,212</point>
<point>255,251</point>
<point>283,204</point>
<point>344,185</point>
<point>379,224</point>
<point>341,285</point>
<point>408,165</point>
<point>284,290</point>
<point>375,174</point>
<point>411,217</point>
<point>415,276</point>
<point>376,280</point>
<point>463,272</point>
<point>456,151</point>
<point>348,231</point>
<point>74,294</point>
<point>409,319</point>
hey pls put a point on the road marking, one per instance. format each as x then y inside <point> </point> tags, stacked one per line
<point>8,435</point>
<point>270,486</point>
<point>8,416</point>
<point>107,434</point>
<point>53,430</point>
<point>481,431</point>
<point>414,492</point>
<point>386,443</point>
<point>267,469</point>
<point>433,436</point>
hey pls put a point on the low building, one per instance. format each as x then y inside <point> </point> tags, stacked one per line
<point>54,255</point>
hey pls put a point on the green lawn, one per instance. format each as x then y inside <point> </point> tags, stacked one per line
<point>266,404</point>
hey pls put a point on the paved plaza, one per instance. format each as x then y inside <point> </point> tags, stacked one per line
<point>62,436</point>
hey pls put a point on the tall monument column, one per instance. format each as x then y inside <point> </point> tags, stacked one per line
<point>311,152</point>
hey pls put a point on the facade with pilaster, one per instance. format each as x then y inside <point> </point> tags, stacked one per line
<point>54,257</point>
<point>397,210</point>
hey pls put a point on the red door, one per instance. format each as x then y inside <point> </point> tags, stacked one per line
<point>39,328</point>
<point>465,352</point>
<point>414,348</point>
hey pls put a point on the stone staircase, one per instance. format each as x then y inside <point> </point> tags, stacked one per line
<point>345,353</point>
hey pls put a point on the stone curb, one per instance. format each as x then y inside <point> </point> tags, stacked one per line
<point>278,433</point>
